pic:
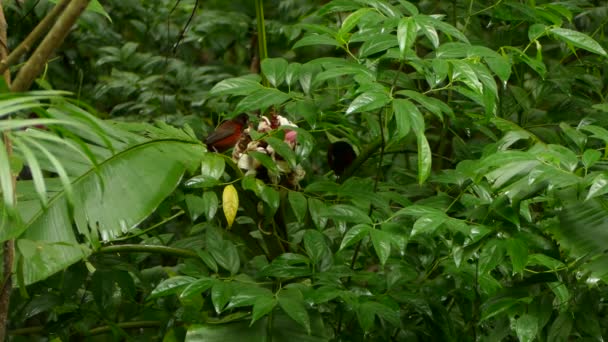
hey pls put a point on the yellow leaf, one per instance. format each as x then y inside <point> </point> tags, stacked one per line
<point>230,203</point>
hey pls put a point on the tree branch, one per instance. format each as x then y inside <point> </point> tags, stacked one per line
<point>32,68</point>
<point>26,45</point>
<point>8,247</point>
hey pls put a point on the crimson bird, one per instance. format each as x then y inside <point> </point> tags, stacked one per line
<point>339,156</point>
<point>227,134</point>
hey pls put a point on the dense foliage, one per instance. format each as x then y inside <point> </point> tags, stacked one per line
<point>475,209</point>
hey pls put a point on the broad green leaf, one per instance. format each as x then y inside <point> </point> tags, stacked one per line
<point>427,27</point>
<point>315,245</point>
<point>171,286</point>
<point>464,73</point>
<point>382,244</point>
<point>6,180</point>
<point>579,40</point>
<point>298,204</point>
<point>292,73</point>
<point>348,213</point>
<point>379,42</point>
<point>237,86</point>
<point>267,194</point>
<point>196,288</point>
<point>315,39</point>
<point>221,292</point>
<point>292,303</point>
<point>431,104</point>
<point>107,206</point>
<point>246,294</point>
<point>210,204</point>
<point>355,234</point>
<point>415,119</point>
<point>517,249</point>
<point>406,34</point>
<point>283,150</point>
<point>561,328</point>
<point>497,305</point>
<point>428,223</point>
<point>265,160</point>
<point>352,20</point>
<point>578,137</point>
<point>402,118</point>
<point>526,328</point>
<point>424,159</point>
<point>368,101</point>
<point>262,99</point>
<point>195,205</point>
<point>262,307</point>
<point>590,157</point>
<point>274,69</point>
<point>599,186</point>
<point>226,256</point>
<point>317,211</point>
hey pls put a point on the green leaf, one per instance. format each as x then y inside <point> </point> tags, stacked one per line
<point>221,292</point>
<point>171,286</point>
<point>298,204</point>
<point>431,104</point>
<point>579,39</point>
<point>226,256</point>
<point>317,211</point>
<point>428,223</point>
<point>590,157</point>
<point>267,194</point>
<point>292,303</point>
<point>125,204</point>
<point>261,99</point>
<point>210,204</point>
<point>424,159</point>
<point>517,249</point>
<point>315,245</point>
<point>406,34</point>
<point>212,166</point>
<point>379,42</point>
<point>265,160</point>
<point>382,244</point>
<point>262,307</point>
<point>355,234</point>
<point>195,205</point>
<point>526,328</point>
<point>208,260</point>
<point>274,69</point>
<point>196,288</point>
<point>283,150</point>
<point>352,20</point>
<point>316,39</point>
<point>599,186</point>
<point>402,118</point>
<point>561,328</point>
<point>237,86</point>
<point>348,213</point>
<point>292,73</point>
<point>6,180</point>
<point>368,101</point>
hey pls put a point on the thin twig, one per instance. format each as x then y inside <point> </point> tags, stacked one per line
<point>183,31</point>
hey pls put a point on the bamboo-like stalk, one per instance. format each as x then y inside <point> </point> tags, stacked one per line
<point>32,68</point>
<point>26,45</point>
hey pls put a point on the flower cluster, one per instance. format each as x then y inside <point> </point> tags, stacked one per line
<point>252,166</point>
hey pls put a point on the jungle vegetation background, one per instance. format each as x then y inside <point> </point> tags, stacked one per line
<point>475,211</point>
